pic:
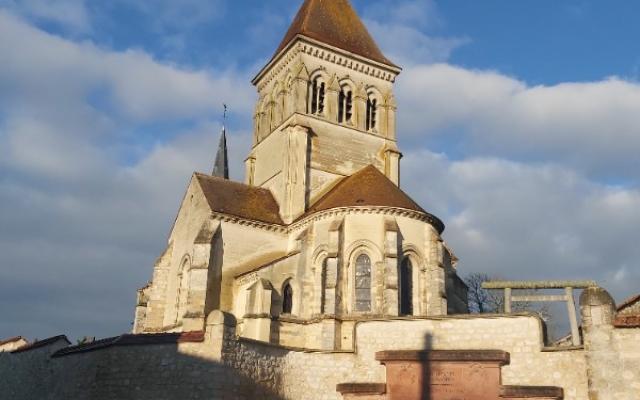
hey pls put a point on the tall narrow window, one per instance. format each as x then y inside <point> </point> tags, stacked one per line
<point>372,113</point>
<point>323,296</point>
<point>317,96</point>
<point>287,298</point>
<point>406,287</point>
<point>345,105</point>
<point>363,283</point>
<point>182,292</point>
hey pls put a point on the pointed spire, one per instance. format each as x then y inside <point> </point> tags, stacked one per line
<point>335,23</point>
<point>221,166</point>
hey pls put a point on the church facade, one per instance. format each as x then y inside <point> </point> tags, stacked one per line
<point>319,235</point>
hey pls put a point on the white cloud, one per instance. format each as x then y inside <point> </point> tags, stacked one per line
<point>406,46</point>
<point>81,218</point>
<point>70,14</point>
<point>530,221</point>
<point>592,125</point>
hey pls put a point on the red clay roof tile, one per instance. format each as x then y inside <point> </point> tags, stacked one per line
<point>369,187</point>
<point>335,23</point>
<point>240,200</point>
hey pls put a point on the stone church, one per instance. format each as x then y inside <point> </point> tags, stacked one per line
<point>320,234</point>
<point>319,278</point>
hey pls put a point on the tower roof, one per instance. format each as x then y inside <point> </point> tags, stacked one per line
<point>335,23</point>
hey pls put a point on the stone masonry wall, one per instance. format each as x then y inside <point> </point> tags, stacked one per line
<point>614,363</point>
<point>226,367</point>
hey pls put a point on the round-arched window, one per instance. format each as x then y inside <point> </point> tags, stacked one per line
<point>406,287</point>
<point>363,283</point>
<point>287,298</point>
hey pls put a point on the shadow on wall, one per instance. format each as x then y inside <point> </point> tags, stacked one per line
<point>133,367</point>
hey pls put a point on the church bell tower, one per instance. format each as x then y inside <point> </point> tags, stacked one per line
<point>326,108</point>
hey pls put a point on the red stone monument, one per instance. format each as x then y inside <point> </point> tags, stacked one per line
<point>445,375</point>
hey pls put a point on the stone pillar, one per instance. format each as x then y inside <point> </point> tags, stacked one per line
<point>391,245</point>
<point>331,100</point>
<point>200,275</point>
<point>250,168</point>
<point>388,120</point>
<point>360,108</point>
<point>218,326</point>
<point>331,304</point>
<point>598,313</point>
<point>294,170</point>
<point>141,310</point>
<point>158,294</point>
<point>300,90</point>
<point>436,300</point>
<point>597,308</point>
<point>257,319</point>
<point>392,165</point>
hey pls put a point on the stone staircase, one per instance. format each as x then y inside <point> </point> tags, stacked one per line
<point>445,375</point>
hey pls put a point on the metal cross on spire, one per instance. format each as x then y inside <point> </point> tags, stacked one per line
<point>221,166</point>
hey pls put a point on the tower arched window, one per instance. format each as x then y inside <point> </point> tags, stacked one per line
<point>372,113</point>
<point>363,283</point>
<point>287,298</point>
<point>345,105</point>
<point>317,96</point>
<point>406,287</point>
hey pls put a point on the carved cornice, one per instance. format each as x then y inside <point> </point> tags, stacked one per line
<point>305,221</point>
<point>326,53</point>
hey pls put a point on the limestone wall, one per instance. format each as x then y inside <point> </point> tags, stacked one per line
<point>614,363</point>
<point>224,366</point>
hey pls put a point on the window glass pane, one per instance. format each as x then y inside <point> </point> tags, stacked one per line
<point>406,287</point>
<point>287,300</point>
<point>363,283</point>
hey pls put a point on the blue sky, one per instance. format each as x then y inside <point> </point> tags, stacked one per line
<point>518,121</point>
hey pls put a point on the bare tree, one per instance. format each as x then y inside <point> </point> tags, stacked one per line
<point>480,301</point>
<point>492,301</point>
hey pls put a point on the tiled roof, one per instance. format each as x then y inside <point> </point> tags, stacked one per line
<point>133,340</point>
<point>627,321</point>
<point>335,23</point>
<point>240,200</point>
<point>629,302</point>
<point>368,187</point>
<point>42,343</point>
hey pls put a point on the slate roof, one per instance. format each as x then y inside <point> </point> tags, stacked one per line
<point>11,340</point>
<point>240,200</point>
<point>335,23</point>
<point>41,343</point>
<point>133,340</point>
<point>368,187</point>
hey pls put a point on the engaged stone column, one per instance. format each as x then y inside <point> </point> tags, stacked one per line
<point>331,302</point>
<point>295,171</point>
<point>391,245</point>
<point>436,300</point>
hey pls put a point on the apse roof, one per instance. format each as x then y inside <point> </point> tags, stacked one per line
<point>335,23</point>
<point>368,187</point>
<point>240,200</point>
